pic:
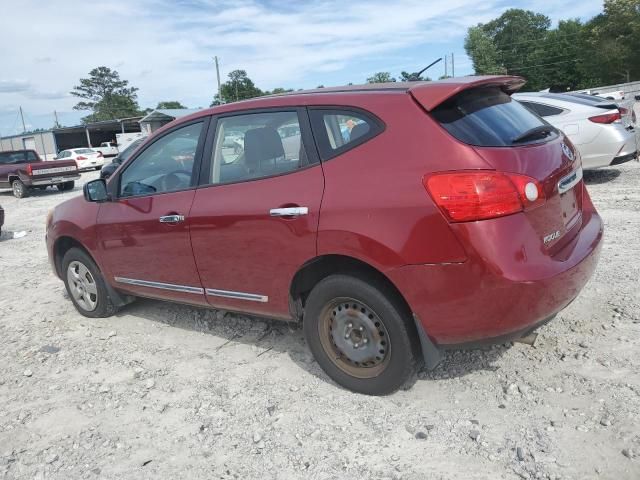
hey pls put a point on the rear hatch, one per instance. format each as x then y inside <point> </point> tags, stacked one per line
<point>515,141</point>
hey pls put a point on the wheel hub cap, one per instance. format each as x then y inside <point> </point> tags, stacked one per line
<point>357,334</point>
<point>82,286</point>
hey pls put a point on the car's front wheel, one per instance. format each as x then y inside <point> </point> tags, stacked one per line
<point>19,189</point>
<point>85,285</point>
<point>361,337</point>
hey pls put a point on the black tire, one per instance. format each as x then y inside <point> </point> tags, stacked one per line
<point>399,357</point>
<point>104,306</point>
<point>63,187</point>
<point>19,189</point>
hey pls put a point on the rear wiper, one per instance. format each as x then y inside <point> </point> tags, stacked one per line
<point>539,131</point>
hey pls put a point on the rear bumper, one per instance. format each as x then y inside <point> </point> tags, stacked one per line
<point>624,158</point>
<point>52,180</point>
<point>505,289</point>
<point>613,142</point>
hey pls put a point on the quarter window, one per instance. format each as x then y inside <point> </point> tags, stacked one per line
<point>541,109</point>
<point>165,166</point>
<point>257,145</point>
<point>340,130</point>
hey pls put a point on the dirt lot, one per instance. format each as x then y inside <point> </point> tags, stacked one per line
<point>168,391</point>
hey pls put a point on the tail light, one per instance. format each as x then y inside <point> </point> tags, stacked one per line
<point>80,157</point>
<point>470,196</point>
<point>607,118</point>
<point>623,111</point>
<point>29,169</point>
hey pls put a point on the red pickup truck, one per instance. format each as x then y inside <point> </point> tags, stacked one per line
<point>22,170</point>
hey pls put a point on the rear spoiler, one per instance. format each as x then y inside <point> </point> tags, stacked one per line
<point>432,94</point>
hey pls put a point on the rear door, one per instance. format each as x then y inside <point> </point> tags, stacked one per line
<point>254,219</point>
<point>143,232</point>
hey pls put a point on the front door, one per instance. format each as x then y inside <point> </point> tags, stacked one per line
<point>254,222</point>
<point>144,231</point>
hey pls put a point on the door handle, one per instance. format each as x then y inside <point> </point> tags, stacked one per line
<point>289,211</point>
<point>172,219</point>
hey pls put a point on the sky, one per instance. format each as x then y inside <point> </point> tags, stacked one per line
<point>166,47</point>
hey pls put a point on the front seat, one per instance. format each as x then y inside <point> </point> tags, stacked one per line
<point>358,131</point>
<point>262,148</point>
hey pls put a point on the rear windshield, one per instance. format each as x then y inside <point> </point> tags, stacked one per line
<point>23,156</point>
<point>84,150</point>
<point>487,117</point>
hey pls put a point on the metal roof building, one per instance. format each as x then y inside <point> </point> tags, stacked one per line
<point>48,143</point>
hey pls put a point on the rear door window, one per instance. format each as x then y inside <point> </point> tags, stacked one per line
<point>337,131</point>
<point>249,146</point>
<point>487,117</point>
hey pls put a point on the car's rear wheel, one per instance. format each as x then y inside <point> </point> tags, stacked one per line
<point>86,285</point>
<point>66,186</point>
<point>19,189</point>
<point>361,337</point>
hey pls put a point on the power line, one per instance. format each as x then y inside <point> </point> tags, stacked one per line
<point>527,67</point>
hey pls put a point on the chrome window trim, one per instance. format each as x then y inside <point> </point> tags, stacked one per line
<point>237,295</point>
<point>160,285</point>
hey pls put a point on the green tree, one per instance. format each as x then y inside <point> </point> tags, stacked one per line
<point>381,77</point>
<point>612,43</point>
<point>277,91</point>
<point>238,87</point>
<point>482,51</point>
<point>412,77</point>
<point>561,71</point>
<point>106,95</point>
<point>169,105</point>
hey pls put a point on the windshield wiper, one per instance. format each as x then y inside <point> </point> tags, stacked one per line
<point>535,132</point>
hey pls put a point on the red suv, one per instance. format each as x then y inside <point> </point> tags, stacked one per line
<point>394,221</point>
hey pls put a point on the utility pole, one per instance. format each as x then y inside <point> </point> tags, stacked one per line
<point>446,59</point>
<point>453,66</point>
<point>218,75</point>
<point>24,129</point>
<point>57,124</point>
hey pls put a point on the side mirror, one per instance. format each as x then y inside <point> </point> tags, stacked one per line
<point>95,191</point>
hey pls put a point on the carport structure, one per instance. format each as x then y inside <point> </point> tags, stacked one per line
<point>48,143</point>
<point>93,134</point>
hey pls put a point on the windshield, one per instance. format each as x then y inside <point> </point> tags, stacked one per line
<point>23,156</point>
<point>486,117</point>
<point>84,150</point>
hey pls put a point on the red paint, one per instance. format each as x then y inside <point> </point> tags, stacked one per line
<point>240,247</point>
<point>465,281</point>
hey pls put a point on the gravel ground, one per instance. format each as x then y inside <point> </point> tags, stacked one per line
<point>169,391</point>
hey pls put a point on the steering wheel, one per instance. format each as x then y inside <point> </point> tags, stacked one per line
<point>172,181</point>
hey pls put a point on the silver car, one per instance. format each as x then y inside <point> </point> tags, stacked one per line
<point>601,130</point>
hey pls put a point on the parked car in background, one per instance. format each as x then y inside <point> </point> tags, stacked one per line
<point>109,168</point>
<point>23,170</point>
<point>85,158</point>
<point>449,215</point>
<point>615,95</point>
<point>108,149</point>
<point>601,130</point>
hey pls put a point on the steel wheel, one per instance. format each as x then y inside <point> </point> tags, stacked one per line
<point>82,286</point>
<point>354,338</point>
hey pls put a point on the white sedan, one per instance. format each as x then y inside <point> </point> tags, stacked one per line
<point>601,130</point>
<point>85,158</point>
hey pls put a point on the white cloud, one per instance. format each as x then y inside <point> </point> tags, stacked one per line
<point>165,47</point>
